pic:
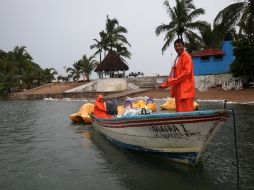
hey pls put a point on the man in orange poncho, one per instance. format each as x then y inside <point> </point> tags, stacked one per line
<point>181,79</point>
<point>100,108</point>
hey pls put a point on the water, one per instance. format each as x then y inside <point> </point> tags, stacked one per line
<point>41,149</point>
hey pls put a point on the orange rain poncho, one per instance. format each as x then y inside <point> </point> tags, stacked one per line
<point>100,108</point>
<point>182,83</point>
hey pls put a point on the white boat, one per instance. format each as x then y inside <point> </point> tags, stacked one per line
<point>181,136</point>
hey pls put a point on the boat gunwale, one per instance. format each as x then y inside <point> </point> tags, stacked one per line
<point>162,115</point>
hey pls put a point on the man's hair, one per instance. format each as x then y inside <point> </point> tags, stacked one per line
<point>179,41</point>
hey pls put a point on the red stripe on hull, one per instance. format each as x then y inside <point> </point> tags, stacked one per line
<point>152,122</point>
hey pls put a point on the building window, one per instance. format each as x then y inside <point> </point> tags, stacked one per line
<point>205,58</point>
<point>218,57</point>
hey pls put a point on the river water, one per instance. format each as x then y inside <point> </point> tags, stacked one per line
<point>41,149</point>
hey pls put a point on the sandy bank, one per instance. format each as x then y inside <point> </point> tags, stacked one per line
<point>57,91</point>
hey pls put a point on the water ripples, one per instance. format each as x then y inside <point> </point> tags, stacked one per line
<point>41,149</point>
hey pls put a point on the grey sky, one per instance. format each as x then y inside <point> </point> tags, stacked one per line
<point>58,32</point>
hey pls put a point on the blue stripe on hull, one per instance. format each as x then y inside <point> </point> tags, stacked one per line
<point>184,157</point>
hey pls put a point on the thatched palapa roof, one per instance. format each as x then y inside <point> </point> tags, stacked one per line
<point>112,62</point>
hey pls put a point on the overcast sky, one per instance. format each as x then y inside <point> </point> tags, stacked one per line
<point>59,32</point>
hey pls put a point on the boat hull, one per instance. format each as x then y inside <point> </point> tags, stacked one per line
<point>180,136</point>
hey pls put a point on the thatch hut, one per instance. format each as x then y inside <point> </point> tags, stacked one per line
<point>112,65</point>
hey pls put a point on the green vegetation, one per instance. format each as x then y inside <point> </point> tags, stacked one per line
<point>18,71</point>
<point>240,15</point>
<point>84,67</point>
<point>112,39</point>
<point>243,65</point>
<point>182,23</point>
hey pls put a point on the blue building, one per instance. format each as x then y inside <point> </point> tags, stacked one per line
<point>213,61</point>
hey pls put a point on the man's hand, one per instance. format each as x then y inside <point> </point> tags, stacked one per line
<point>171,81</point>
<point>163,85</point>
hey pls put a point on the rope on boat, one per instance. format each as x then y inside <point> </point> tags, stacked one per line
<point>235,139</point>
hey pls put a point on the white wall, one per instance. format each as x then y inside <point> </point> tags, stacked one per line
<point>226,81</point>
<point>112,84</point>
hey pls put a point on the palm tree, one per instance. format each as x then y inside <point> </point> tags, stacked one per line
<point>21,58</point>
<point>29,75</point>
<point>8,73</point>
<point>88,64</point>
<point>3,55</point>
<point>3,58</point>
<point>181,22</point>
<point>115,33</point>
<point>122,51</point>
<point>74,72</point>
<point>99,46</point>
<point>105,42</point>
<point>39,73</point>
<point>239,14</point>
<point>62,78</point>
<point>33,73</point>
<point>49,74</point>
<point>212,37</point>
<point>8,76</point>
<point>102,44</point>
<point>17,69</point>
<point>111,38</point>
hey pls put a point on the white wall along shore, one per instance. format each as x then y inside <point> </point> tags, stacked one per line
<point>226,81</point>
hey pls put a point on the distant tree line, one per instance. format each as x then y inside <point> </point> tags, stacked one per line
<point>18,71</point>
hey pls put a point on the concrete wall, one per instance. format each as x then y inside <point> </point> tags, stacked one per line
<point>143,82</point>
<point>226,81</point>
<point>102,85</point>
<point>111,85</point>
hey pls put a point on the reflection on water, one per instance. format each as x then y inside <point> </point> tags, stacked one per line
<point>41,149</point>
<point>145,171</point>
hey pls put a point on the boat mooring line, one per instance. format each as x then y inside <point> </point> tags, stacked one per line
<point>225,104</point>
<point>236,150</point>
<point>235,139</point>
